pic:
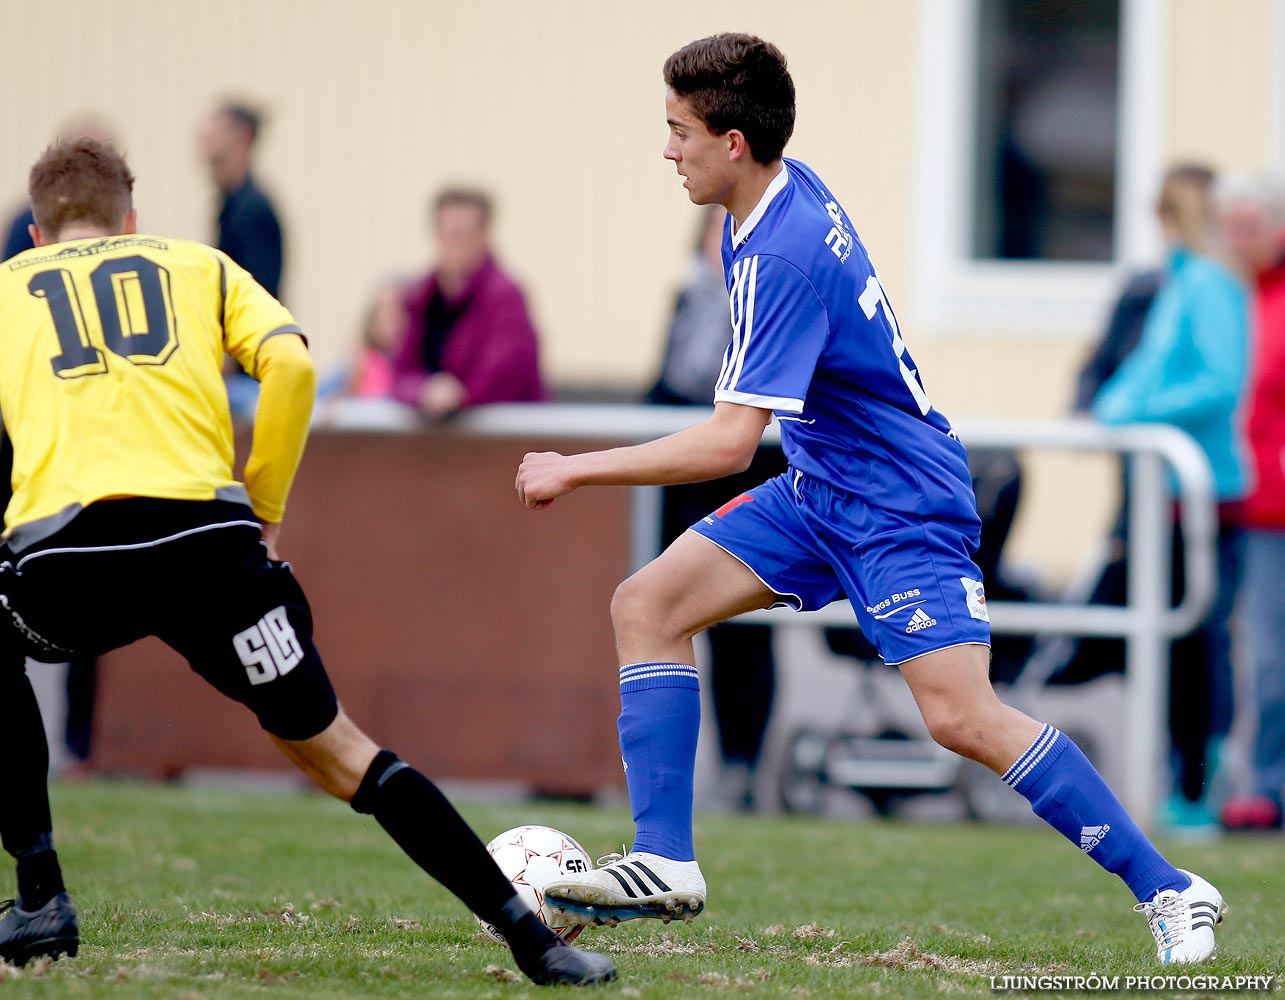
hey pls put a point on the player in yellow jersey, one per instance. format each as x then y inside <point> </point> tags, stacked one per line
<point>126,521</point>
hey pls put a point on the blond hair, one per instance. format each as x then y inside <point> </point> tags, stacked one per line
<point>1186,204</point>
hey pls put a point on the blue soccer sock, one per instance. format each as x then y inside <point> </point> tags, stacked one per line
<point>1067,792</point>
<point>660,714</point>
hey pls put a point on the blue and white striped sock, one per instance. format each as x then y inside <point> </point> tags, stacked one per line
<point>1067,792</point>
<point>660,714</point>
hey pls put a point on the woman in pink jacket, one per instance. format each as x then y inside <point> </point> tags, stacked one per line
<point>468,338</point>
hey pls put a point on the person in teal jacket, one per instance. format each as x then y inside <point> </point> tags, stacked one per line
<point>1189,370</point>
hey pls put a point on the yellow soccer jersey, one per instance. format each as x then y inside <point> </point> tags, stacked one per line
<point>111,352</point>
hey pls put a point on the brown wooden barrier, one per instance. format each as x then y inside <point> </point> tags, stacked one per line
<point>462,630</point>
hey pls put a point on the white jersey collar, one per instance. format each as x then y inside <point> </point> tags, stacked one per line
<point>739,236</point>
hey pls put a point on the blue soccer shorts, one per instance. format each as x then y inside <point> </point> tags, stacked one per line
<point>912,583</point>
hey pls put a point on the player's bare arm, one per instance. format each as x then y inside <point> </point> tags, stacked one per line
<point>714,448</point>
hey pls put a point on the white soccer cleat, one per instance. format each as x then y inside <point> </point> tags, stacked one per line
<point>1183,922</point>
<point>625,887</point>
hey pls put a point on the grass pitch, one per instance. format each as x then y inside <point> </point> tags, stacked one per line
<point>188,893</point>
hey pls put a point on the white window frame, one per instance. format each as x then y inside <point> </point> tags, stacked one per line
<point>957,292</point>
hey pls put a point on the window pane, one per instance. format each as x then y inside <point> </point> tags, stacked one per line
<point>1047,98</point>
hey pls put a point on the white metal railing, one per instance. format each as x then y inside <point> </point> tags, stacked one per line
<point>1146,623</point>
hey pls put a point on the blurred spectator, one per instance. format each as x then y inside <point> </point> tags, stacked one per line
<point>87,126</point>
<point>1124,330</point>
<point>742,672</point>
<point>700,327</point>
<point>370,375</point>
<point>248,228</point>
<point>1252,213</point>
<point>1188,370</point>
<point>367,373</point>
<point>1093,657</point>
<point>467,337</point>
<point>18,238</point>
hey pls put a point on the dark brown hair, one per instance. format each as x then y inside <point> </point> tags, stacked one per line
<point>248,119</point>
<point>737,81</point>
<point>472,197</point>
<point>80,180</point>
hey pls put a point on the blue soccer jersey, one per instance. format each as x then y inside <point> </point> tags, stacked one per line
<point>815,340</point>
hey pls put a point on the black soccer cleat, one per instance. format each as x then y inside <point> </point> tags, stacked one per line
<point>51,930</point>
<point>566,965</point>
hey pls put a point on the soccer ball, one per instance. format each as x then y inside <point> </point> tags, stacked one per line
<point>531,857</point>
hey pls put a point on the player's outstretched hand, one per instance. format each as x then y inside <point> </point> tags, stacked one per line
<point>543,476</point>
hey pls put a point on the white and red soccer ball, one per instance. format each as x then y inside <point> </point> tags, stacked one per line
<point>531,857</point>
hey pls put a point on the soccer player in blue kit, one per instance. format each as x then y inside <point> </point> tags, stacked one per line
<point>877,506</point>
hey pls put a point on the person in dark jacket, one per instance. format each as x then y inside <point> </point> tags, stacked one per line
<point>741,663</point>
<point>1124,330</point>
<point>249,230</point>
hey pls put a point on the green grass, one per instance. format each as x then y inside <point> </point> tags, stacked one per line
<point>217,893</point>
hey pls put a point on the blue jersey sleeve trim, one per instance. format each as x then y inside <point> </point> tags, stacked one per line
<point>780,327</point>
<point>763,402</point>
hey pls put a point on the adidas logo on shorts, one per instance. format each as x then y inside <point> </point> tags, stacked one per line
<point>920,620</point>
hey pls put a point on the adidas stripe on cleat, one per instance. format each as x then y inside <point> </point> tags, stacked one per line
<point>1183,922</point>
<point>629,887</point>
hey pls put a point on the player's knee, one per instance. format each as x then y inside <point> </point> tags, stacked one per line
<point>970,729</point>
<point>632,607</point>
<point>955,729</point>
<point>642,607</point>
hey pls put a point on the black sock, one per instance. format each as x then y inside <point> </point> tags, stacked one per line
<point>25,822</point>
<point>24,787</point>
<point>426,826</point>
<point>526,935</point>
<point>39,877</point>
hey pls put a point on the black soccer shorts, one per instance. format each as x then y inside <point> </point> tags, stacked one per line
<point>193,573</point>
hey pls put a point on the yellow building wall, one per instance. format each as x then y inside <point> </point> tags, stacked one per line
<point>1220,82</point>
<point>556,106</point>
